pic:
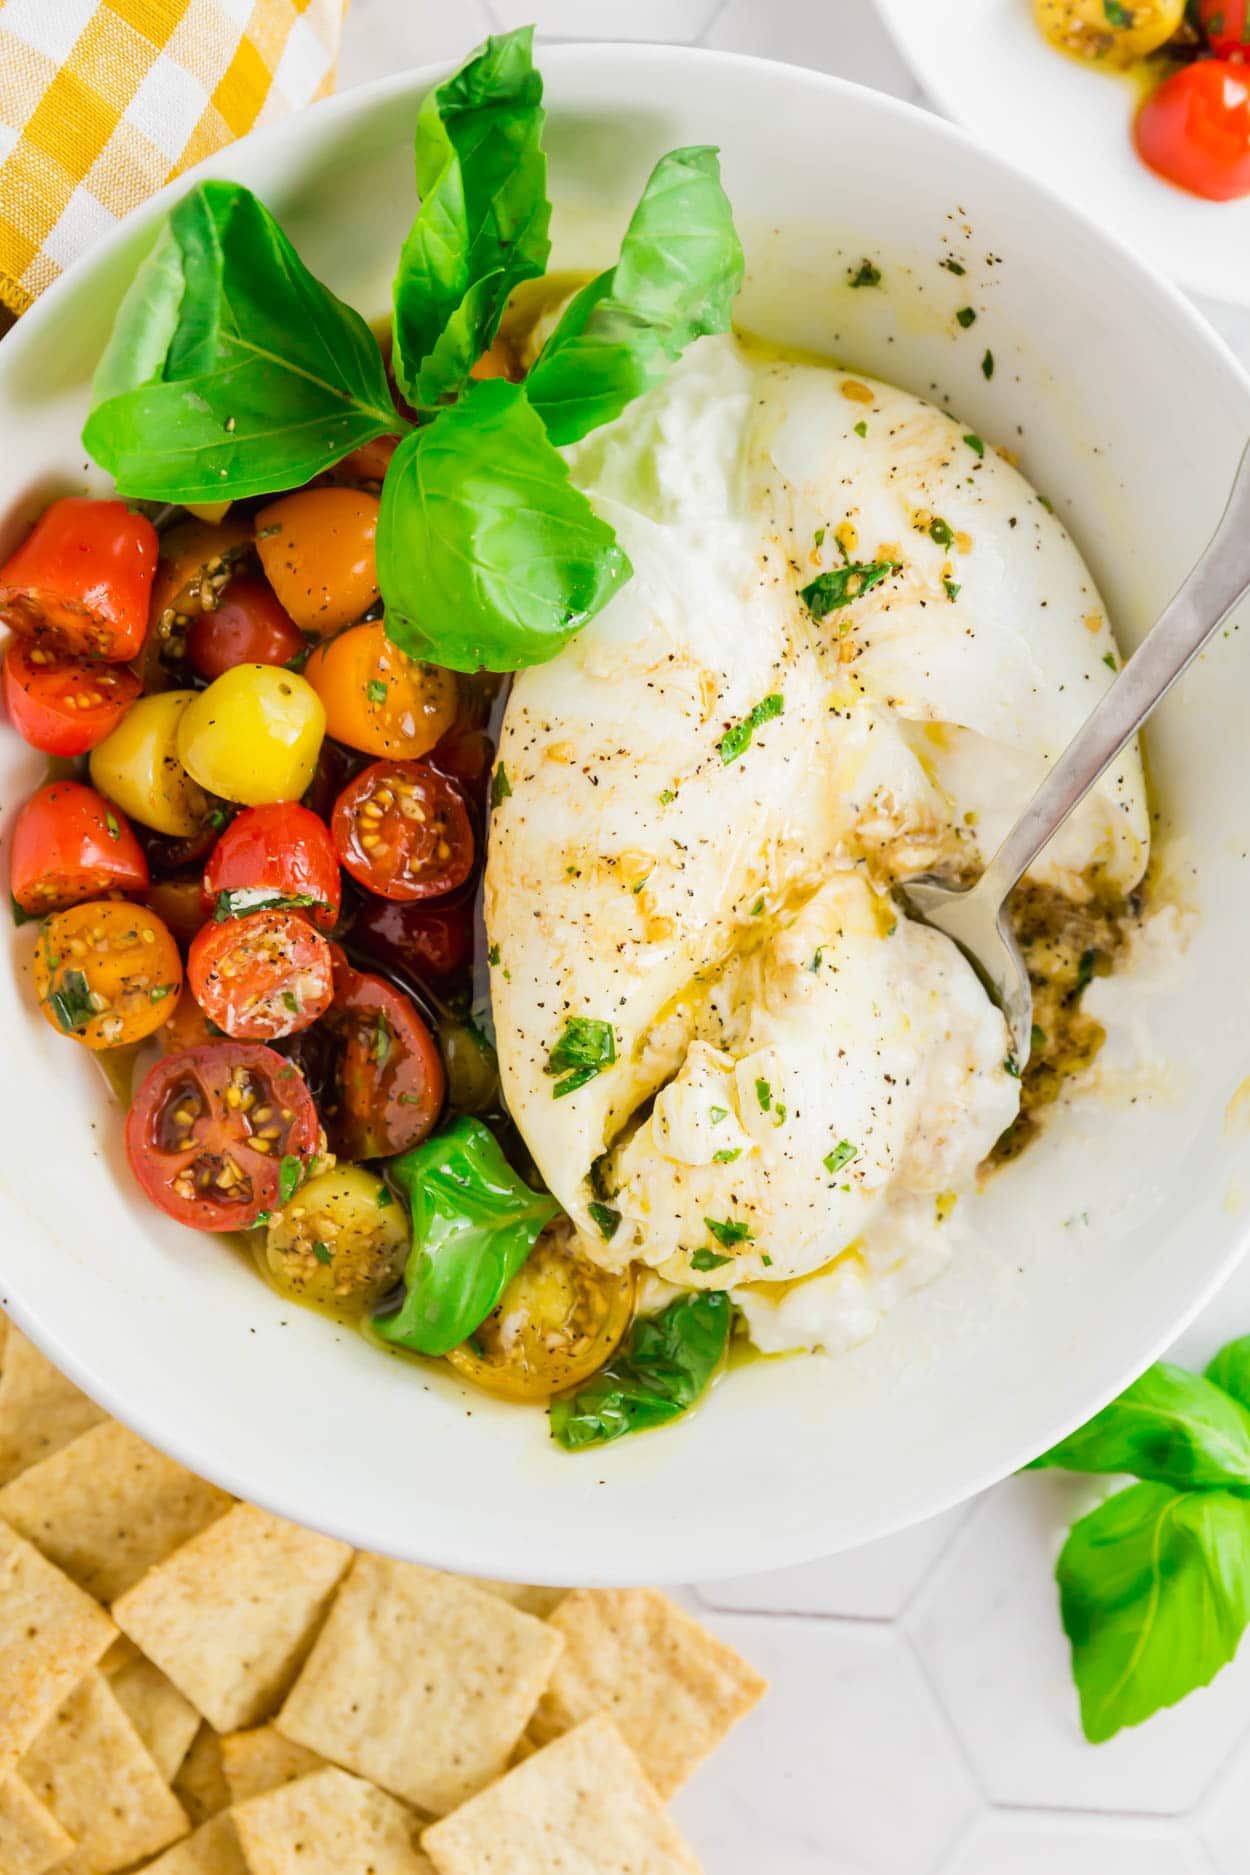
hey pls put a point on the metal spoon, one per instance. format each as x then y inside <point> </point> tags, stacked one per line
<point>975,916</point>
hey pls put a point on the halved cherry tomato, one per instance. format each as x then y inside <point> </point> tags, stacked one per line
<point>219,1134</point>
<point>198,561</point>
<point>1195,129</point>
<point>178,903</point>
<point>70,844</point>
<point>317,549</point>
<point>106,973</point>
<point>403,830</point>
<point>63,705</point>
<point>261,976</point>
<point>375,1066</point>
<point>424,940</point>
<point>1226,24</point>
<point>188,1027</point>
<point>279,851</point>
<point>376,697</point>
<point>557,1322</point>
<point>83,577</point>
<point>246,626</point>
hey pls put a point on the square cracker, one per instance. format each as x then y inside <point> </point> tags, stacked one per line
<point>672,1688</point>
<point>262,1760</point>
<point>40,1410</point>
<point>31,1839</point>
<point>530,1597</point>
<point>164,1720</point>
<point>580,1807</point>
<point>212,1850</point>
<point>50,1635</point>
<point>419,1682</point>
<point>90,1769</point>
<point>231,1615</point>
<point>200,1785</point>
<point>106,1507</point>
<point>328,1824</point>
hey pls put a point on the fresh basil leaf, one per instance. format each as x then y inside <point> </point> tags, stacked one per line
<point>488,557</point>
<point>71,1002</point>
<point>666,1364</point>
<point>482,225</point>
<point>1154,1587</point>
<point>474,1222</point>
<point>240,901</point>
<point>829,592</point>
<point>1170,1426</point>
<point>145,322</point>
<point>585,1048</point>
<point>1230,1370</point>
<point>267,378</point>
<point>680,269</point>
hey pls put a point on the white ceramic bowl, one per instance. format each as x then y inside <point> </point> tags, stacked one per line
<point>1098,1244</point>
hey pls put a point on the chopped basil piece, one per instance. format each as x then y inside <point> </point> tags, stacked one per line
<point>161,991</point>
<point>1108,658</point>
<point>323,1253</point>
<point>382,1040</point>
<point>262,1217</point>
<point>966,316</point>
<point>585,1049</point>
<point>728,1231</point>
<point>718,1114</point>
<point>385,1196</point>
<point>290,1173</point>
<point>500,786</point>
<point>71,1002</point>
<point>708,1260</point>
<point>868,275</point>
<point>376,690</point>
<point>735,740</point>
<point>953,266</point>
<point>110,821</point>
<point>606,1218</point>
<point>757,908</point>
<point>817,955</point>
<point>764,1094</point>
<point>987,365</point>
<point>289,1002</point>
<point>952,589</point>
<point>975,443</point>
<point>1045,500</point>
<point>1037,1037</point>
<point>493,954</point>
<point>939,531</point>
<point>829,592</point>
<point>667,798</point>
<point>1012,1067</point>
<point>727,1155</point>
<point>861,428</point>
<point>1117,15</point>
<point>238,902</point>
<point>841,1155</point>
<point>1085,970</point>
<point>20,915</point>
<point>819,536</point>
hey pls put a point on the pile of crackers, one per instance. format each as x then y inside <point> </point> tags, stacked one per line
<point>191,1686</point>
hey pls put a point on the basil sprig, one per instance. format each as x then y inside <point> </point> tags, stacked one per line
<point>665,1365</point>
<point>1154,1584</point>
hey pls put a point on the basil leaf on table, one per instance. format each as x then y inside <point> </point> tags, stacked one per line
<point>666,1364</point>
<point>1154,1588</point>
<point>266,378</point>
<point>488,557</point>
<point>482,225</point>
<point>1170,1426</point>
<point>474,1222</point>
<point>680,268</point>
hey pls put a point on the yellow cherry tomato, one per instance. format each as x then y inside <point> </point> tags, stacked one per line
<point>1109,34</point>
<point>376,697</point>
<point>317,549</point>
<point>137,765</point>
<point>341,1242</point>
<point>254,735</point>
<point>106,973</point>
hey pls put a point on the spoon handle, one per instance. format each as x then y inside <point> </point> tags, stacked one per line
<point>1219,580</point>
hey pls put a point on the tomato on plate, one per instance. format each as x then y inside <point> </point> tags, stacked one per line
<point>278,851</point>
<point>375,1066</point>
<point>246,626</point>
<point>402,830</point>
<point>59,704</point>
<point>83,578</point>
<point>424,940</point>
<point>317,549</point>
<point>253,736</point>
<point>369,463</point>
<point>261,976</point>
<point>198,560</point>
<point>70,844</point>
<point>1226,24</point>
<point>1195,129</point>
<point>188,1027</point>
<point>106,973</point>
<point>178,903</point>
<point>137,766</point>
<point>376,697</point>
<point>220,1134</point>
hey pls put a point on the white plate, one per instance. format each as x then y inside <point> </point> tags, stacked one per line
<point>1096,1246</point>
<point>985,63</point>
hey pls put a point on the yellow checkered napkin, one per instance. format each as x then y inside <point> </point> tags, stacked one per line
<point>101,101</point>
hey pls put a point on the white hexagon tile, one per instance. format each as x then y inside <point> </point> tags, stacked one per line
<point>922,1719</point>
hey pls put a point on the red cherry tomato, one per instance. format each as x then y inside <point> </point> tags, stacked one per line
<point>220,1133</point>
<point>1226,24</point>
<point>83,578</point>
<point>278,851</point>
<point>70,845</point>
<point>424,940</point>
<point>467,755</point>
<point>61,705</point>
<point>402,830</point>
<point>262,976</point>
<point>1195,129</point>
<point>248,627</point>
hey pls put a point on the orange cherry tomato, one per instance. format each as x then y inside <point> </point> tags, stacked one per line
<point>70,844</point>
<point>402,830</point>
<point>246,626</point>
<point>262,976</point>
<point>83,578</point>
<point>278,851</point>
<point>317,549</point>
<point>198,561</point>
<point>106,973</point>
<point>1195,129</point>
<point>376,697</point>
<point>60,704</point>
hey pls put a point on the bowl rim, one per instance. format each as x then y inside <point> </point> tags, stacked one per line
<point>191,1442</point>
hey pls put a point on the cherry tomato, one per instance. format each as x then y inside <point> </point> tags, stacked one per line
<point>1226,24</point>
<point>423,940</point>
<point>253,736</point>
<point>138,767</point>
<point>261,976</point>
<point>178,903</point>
<point>219,1134</point>
<point>70,844</point>
<point>188,1027</point>
<point>496,361</point>
<point>198,561</point>
<point>279,851</point>
<point>62,705</point>
<point>317,549</point>
<point>557,1322</point>
<point>343,1245</point>
<point>376,697</point>
<point>402,830</point>
<point>106,973</point>
<point>369,463</point>
<point>375,1066</point>
<point>1195,129</point>
<point>246,626</point>
<point>1113,35</point>
<point>83,578</point>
